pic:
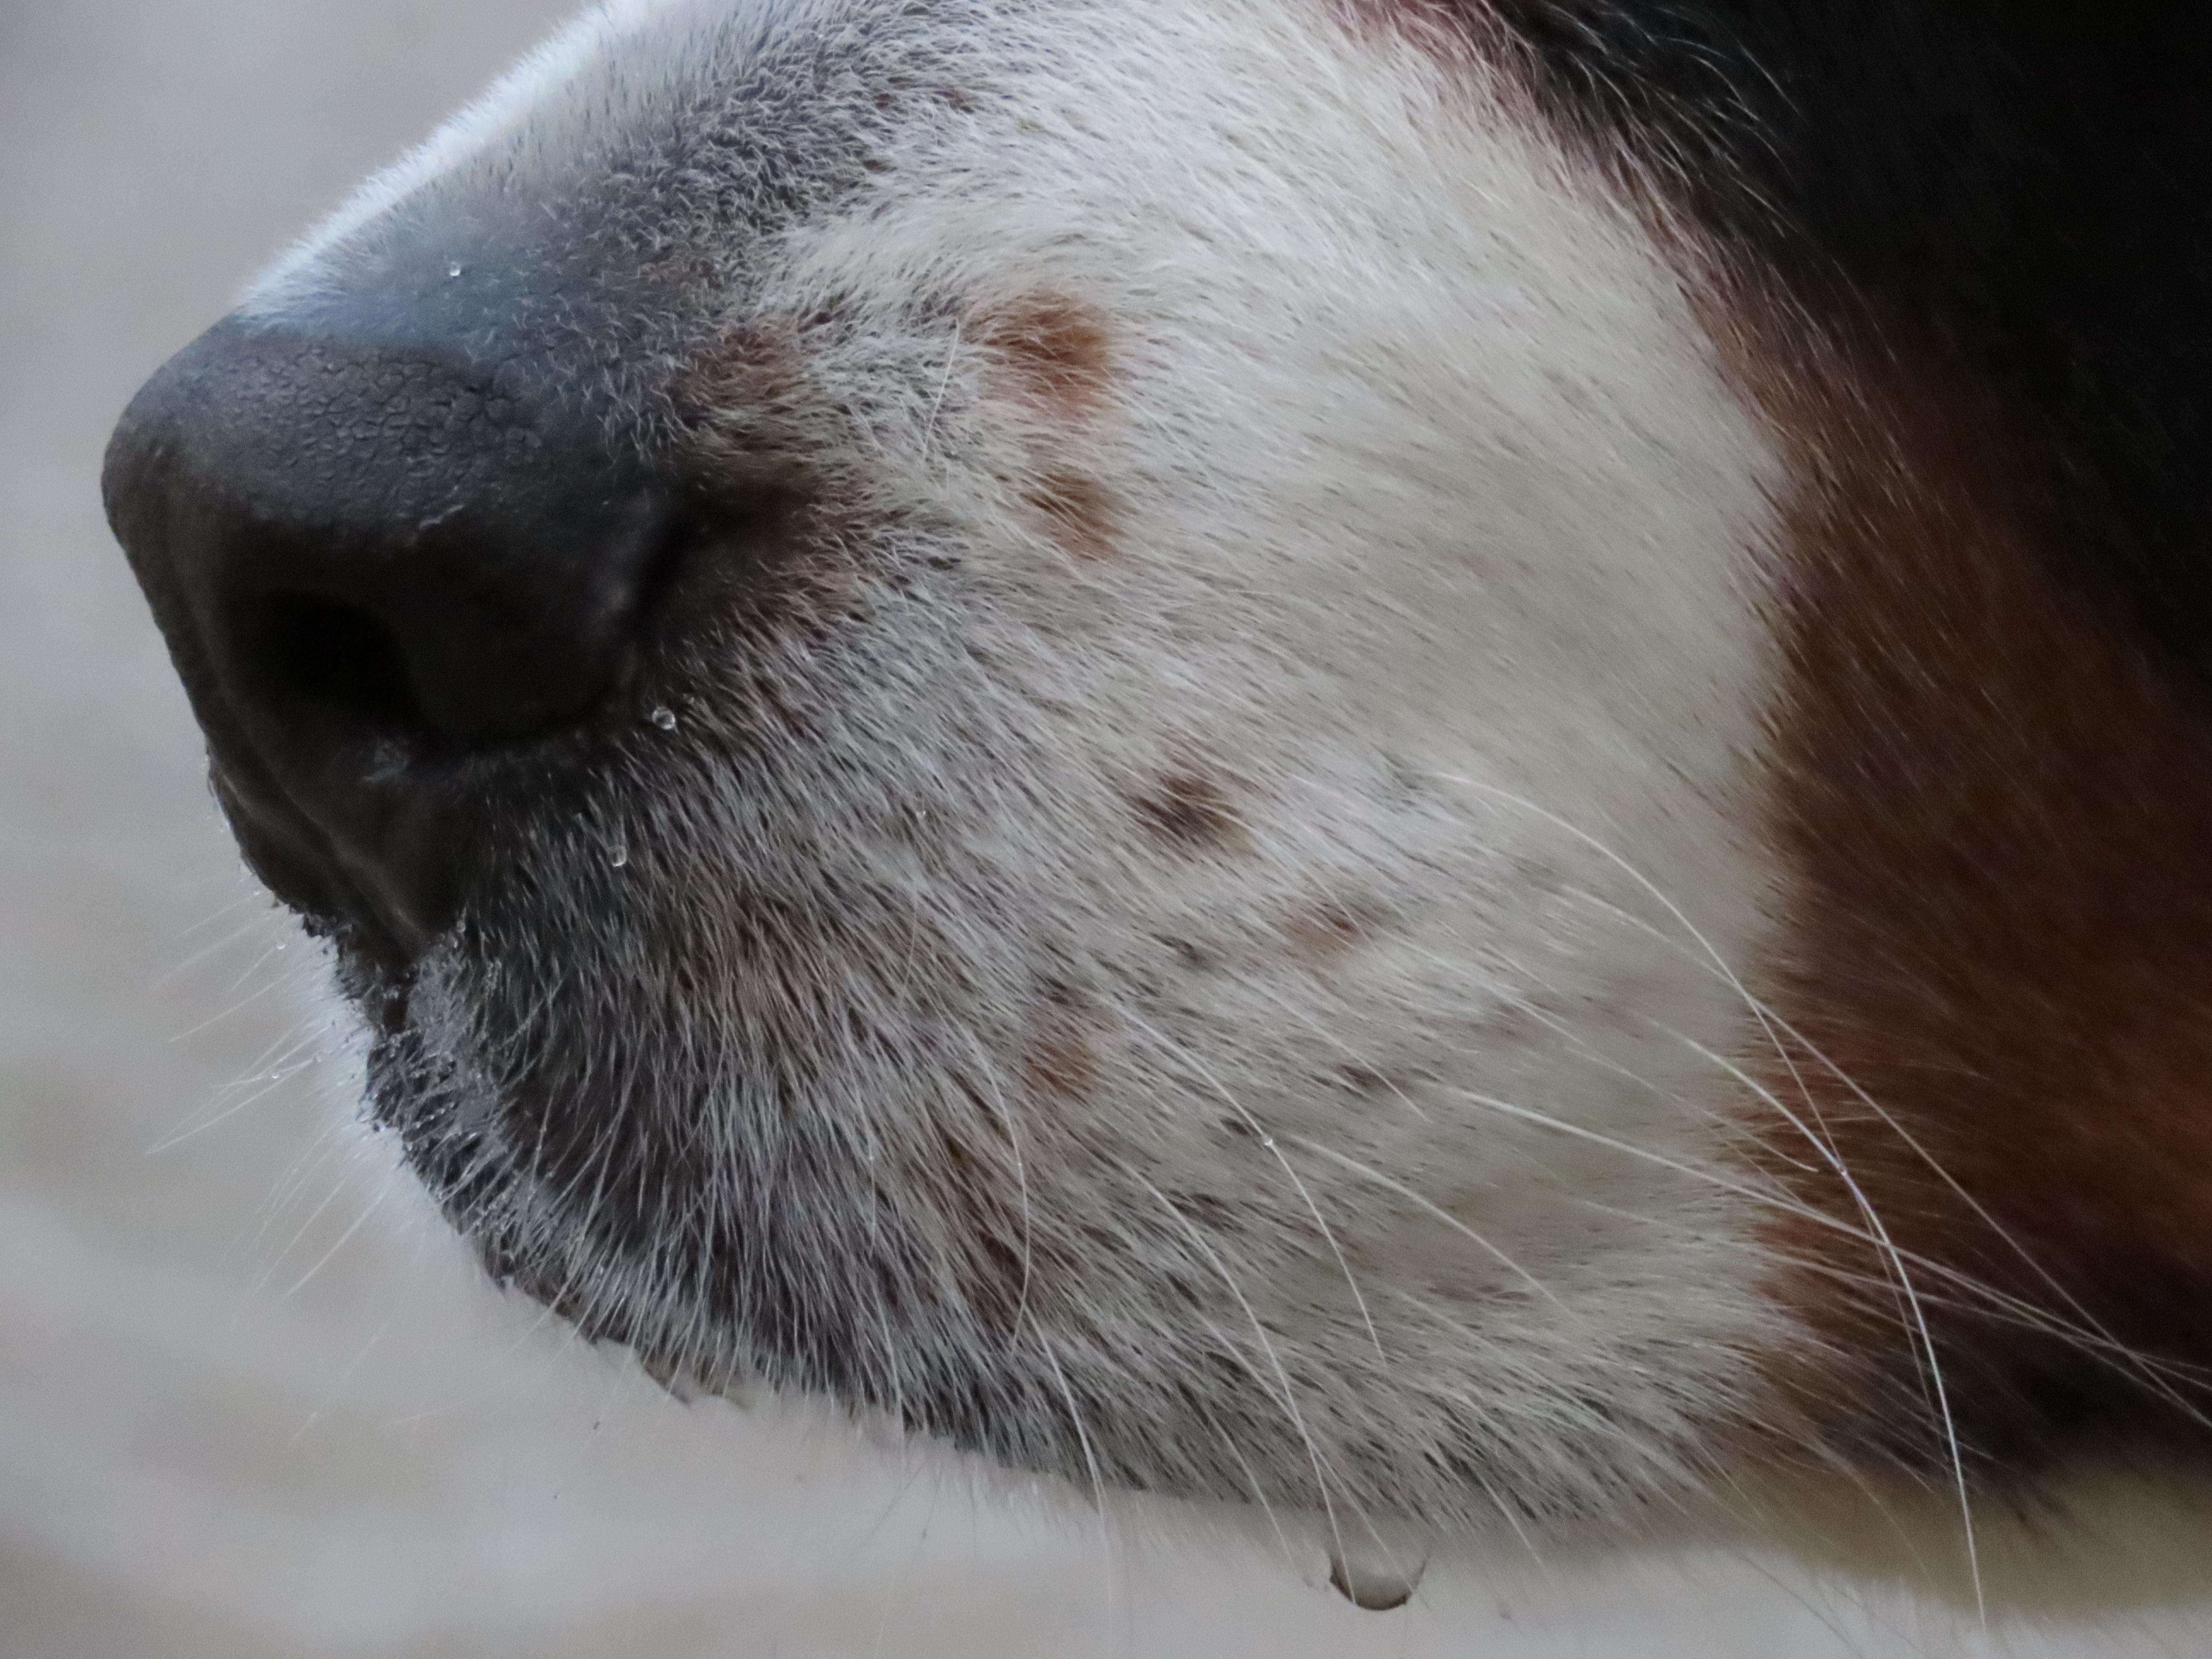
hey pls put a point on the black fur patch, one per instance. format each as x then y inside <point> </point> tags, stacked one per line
<point>2024,188</point>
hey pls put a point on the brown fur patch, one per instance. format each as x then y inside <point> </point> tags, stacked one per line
<point>745,368</point>
<point>1079,512</point>
<point>739,403</point>
<point>1057,351</point>
<point>1189,808</point>
<point>990,1251</point>
<point>1997,814</point>
<point>1061,1060</point>
<point>1325,935</point>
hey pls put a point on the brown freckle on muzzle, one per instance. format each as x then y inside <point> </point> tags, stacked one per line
<point>1080,512</point>
<point>1057,351</point>
<point>1324,935</point>
<point>740,403</point>
<point>974,1190</point>
<point>744,368</point>
<point>1060,1061</point>
<point>1190,810</point>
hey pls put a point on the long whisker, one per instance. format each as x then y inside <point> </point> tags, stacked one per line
<point>1986,1299</point>
<point>239,1004</point>
<point>222,941</point>
<point>1775,1200</point>
<point>1266,1346</point>
<point>1334,1041</point>
<point>1251,1478</point>
<point>1969,1297</point>
<point>2004,1234</point>
<point>1925,1337</point>
<point>1890,1252</point>
<point>1004,1111</point>
<point>1097,1483</point>
<point>1776,1025</point>
<point>373,1207</point>
<point>2090,1333</point>
<point>301,1052</point>
<point>1268,1140</point>
<point>2017,1310</point>
<point>1368,1172</point>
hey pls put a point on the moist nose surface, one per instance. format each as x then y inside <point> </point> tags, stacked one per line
<point>373,564</point>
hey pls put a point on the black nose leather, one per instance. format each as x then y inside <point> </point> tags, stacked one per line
<point>375,563</point>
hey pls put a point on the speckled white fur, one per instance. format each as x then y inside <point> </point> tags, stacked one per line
<point>1437,552</point>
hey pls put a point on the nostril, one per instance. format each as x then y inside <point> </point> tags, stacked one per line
<point>384,566</point>
<point>336,655</point>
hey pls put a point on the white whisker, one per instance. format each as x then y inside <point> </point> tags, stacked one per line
<point>1289,1397</point>
<point>1268,1140</point>
<point>1368,1172</point>
<point>1924,1336</point>
<point>1098,1486</point>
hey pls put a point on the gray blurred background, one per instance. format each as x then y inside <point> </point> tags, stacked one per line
<point>253,1400</point>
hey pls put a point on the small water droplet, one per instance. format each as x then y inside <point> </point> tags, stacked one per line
<point>1269,1141</point>
<point>1374,1577</point>
<point>618,854</point>
<point>664,717</point>
<point>454,269</point>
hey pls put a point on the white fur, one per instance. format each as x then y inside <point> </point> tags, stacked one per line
<point>1438,544</point>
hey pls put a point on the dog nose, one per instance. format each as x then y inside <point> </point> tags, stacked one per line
<point>374,563</point>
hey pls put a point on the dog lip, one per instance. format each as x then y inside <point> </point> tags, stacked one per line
<point>309,874</point>
<point>384,1005</point>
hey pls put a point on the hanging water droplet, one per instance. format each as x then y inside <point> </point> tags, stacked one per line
<point>1374,1577</point>
<point>662,717</point>
<point>453,269</point>
<point>618,854</point>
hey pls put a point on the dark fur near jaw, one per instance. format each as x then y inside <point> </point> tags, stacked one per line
<point>2021,185</point>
